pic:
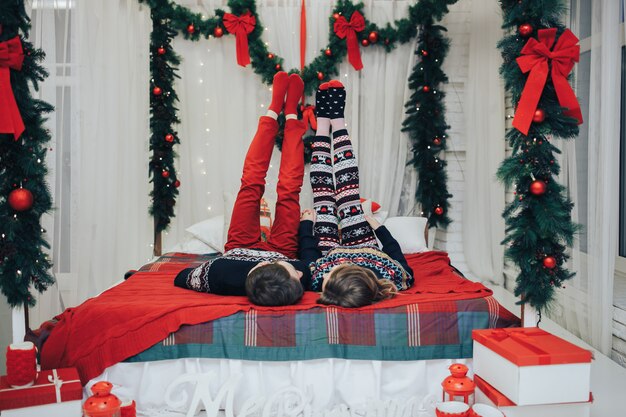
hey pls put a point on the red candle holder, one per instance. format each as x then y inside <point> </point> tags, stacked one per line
<point>458,386</point>
<point>21,364</point>
<point>102,403</point>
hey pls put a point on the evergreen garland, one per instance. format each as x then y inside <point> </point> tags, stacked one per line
<point>426,126</point>
<point>538,222</point>
<point>23,262</point>
<point>172,18</point>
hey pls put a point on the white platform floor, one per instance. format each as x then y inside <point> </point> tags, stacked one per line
<point>608,379</point>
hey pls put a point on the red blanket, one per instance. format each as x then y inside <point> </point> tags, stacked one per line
<point>146,308</point>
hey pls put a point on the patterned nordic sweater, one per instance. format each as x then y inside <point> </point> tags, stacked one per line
<point>226,274</point>
<point>388,263</point>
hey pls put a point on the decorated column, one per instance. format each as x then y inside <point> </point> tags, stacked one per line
<point>24,194</point>
<point>538,53</point>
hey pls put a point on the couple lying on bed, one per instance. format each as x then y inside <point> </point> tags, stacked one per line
<point>332,248</point>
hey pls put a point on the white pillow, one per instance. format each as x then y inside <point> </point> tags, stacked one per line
<point>210,231</point>
<point>192,245</point>
<point>409,232</point>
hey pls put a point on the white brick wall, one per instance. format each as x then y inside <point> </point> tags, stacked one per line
<point>456,67</point>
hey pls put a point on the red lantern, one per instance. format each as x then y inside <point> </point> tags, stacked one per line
<point>458,386</point>
<point>102,403</point>
<point>218,32</point>
<point>21,199</point>
<point>373,36</point>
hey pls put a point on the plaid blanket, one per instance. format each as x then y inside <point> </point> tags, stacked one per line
<point>424,330</point>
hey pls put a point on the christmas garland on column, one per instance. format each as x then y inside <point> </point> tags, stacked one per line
<point>426,125</point>
<point>349,31</point>
<point>24,194</point>
<point>538,55</point>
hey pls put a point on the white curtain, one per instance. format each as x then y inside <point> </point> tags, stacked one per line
<point>220,103</point>
<point>590,170</point>
<point>483,225</point>
<point>99,163</point>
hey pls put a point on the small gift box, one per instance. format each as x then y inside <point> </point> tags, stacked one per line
<point>55,393</point>
<point>487,394</point>
<point>531,366</point>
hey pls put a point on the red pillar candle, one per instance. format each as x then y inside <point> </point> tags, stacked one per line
<point>21,364</point>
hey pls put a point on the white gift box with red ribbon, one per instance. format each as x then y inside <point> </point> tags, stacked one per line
<point>57,392</point>
<point>531,366</point>
<point>486,394</point>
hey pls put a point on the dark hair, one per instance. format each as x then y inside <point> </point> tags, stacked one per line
<point>355,286</point>
<point>271,285</point>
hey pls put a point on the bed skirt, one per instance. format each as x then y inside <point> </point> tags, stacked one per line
<point>297,388</point>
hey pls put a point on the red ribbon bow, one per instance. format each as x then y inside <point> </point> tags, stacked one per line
<point>308,116</point>
<point>524,338</point>
<point>241,26</point>
<point>11,57</point>
<point>344,29</point>
<point>534,59</point>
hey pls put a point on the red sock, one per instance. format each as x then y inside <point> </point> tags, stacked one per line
<point>294,94</point>
<point>279,88</point>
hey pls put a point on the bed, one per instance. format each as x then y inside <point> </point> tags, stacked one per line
<point>156,342</point>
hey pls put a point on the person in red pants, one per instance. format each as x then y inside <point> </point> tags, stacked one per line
<point>267,272</point>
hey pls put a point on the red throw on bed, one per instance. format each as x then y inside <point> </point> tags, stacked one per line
<point>146,308</point>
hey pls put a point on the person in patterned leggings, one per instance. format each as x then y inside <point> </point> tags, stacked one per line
<point>336,238</point>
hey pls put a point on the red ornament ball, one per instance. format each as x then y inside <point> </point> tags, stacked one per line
<point>424,52</point>
<point>176,183</point>
<point>539,116</point>
<point>525,30</point>
<point>165,173</point>
<point>438,211</point>
<point>169,137</point>
<point>157,91</point>
<point>336,16</point>
<point>538,187</point>
<point>328,52</point>
<point>365,42</point>
<point>373,36</point>
<point>437,141</point>
<point>21,199</point>
<point>277,67</point>
<point>191,29</point>
<point>161,51</point>
<point>426,89</point>
<point>320,75</point>
<point>270,55</point>
<point>549,262</point>
<point>218,32</point>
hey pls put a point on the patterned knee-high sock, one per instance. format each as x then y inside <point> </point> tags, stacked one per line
<point>354,228</point>
<point>322,182</point>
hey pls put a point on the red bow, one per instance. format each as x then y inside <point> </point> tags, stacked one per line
<point>308,116</point>
<point>344,29</point>
<point>11,57</point>
<point>241,26</point>
<point>534,59</point>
